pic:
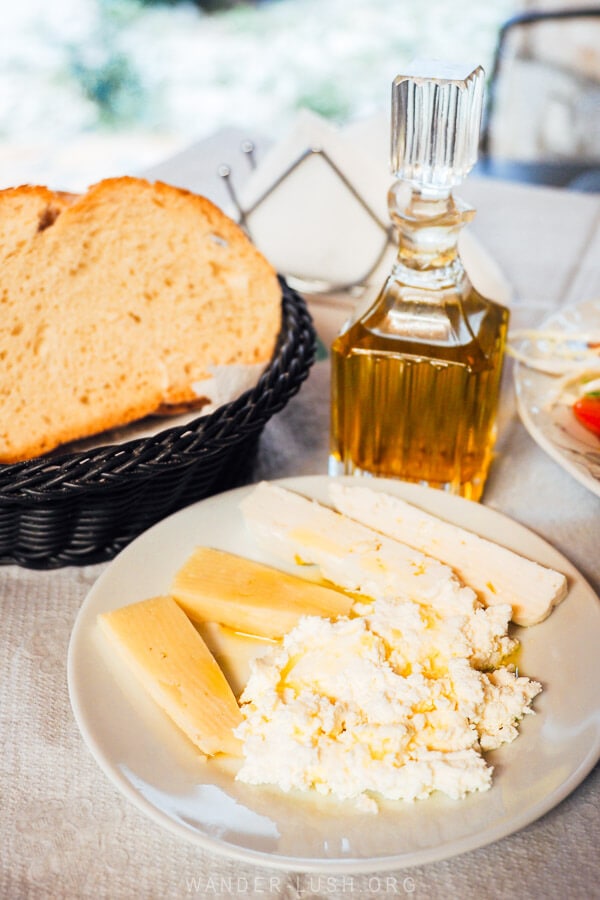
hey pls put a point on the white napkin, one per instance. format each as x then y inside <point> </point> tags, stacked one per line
<point>312,227</point>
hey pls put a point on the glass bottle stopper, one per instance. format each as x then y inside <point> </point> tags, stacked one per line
<point>436,119</point>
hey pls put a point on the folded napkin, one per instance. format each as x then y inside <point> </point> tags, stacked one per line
<point>313,227</point>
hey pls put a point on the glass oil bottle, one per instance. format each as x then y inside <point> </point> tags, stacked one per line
<point>416,378</point>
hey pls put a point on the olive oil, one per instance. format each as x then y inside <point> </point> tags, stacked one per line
<point>417,411</point>
<point>416,378</point>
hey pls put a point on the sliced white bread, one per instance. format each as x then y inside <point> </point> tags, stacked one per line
<point>116,303</point>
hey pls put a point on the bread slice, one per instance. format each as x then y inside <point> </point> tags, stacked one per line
<point>115,304</point>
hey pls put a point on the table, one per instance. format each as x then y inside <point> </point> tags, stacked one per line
<point>67,833</point>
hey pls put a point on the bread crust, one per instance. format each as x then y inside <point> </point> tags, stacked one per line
<point>117,303</point>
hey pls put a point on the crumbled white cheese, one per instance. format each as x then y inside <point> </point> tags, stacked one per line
<point>389,703</point>
<point>396,701</point>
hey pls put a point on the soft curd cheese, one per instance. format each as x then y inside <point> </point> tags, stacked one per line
<point>390,702</point>
<point>396,700</point>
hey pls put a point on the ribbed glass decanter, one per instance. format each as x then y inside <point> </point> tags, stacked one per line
<point>415,379</point>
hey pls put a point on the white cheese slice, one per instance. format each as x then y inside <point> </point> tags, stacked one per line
<point>349,554</point>
<point>497,574</point>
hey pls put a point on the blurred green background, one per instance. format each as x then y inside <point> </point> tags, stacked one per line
<point>96,87</point>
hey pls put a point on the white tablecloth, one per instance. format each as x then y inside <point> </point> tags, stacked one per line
<point>67,833</point>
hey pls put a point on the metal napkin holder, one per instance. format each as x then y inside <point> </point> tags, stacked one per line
<point>297,281</point>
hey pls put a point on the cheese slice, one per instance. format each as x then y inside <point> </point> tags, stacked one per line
<point>349,554</point>
<point>497,574</point>
<point>165,652</point>
<point>216,586</point>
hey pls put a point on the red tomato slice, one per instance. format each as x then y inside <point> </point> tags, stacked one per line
<point>587,411</point>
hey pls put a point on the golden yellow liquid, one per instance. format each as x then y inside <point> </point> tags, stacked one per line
<point>417,410</point>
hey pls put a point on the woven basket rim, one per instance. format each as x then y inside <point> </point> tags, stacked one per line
<point>90,471</point>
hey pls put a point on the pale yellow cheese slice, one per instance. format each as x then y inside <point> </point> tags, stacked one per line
<point>250,597</point>
<point>165,652</point>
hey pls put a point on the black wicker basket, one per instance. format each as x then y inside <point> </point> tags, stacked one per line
<point>81,508</point>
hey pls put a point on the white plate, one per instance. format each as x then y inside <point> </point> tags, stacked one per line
<point>552,424</point>
<point>155,766</point>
